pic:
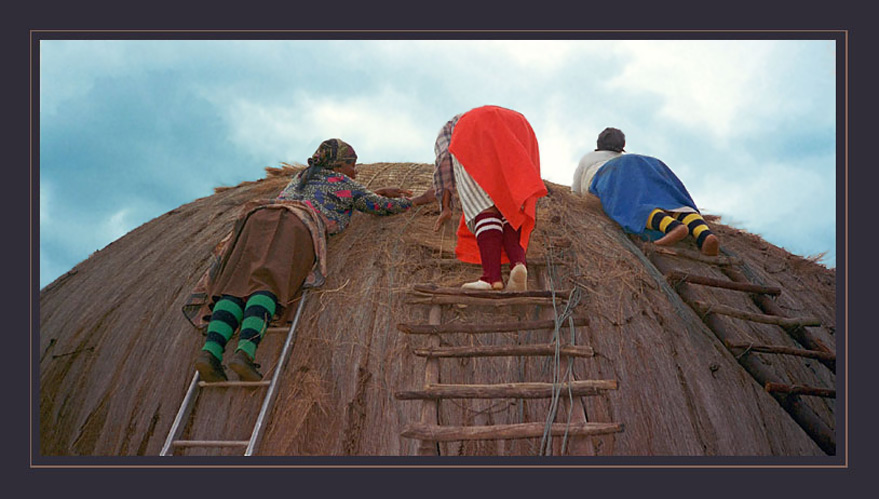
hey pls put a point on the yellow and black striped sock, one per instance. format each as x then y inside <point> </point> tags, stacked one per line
<point>661,221</point>
<point>698,228</point>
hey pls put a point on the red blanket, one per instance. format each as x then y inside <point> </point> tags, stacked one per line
<point>499,150</point>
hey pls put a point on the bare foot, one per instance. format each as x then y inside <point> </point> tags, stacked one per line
<point>711,245</point>
<point>672,237</point>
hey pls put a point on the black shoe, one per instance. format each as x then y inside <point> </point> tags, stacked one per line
<point>209,368</point>
<point>244,367</point>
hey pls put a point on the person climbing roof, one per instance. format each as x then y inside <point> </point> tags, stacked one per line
<point>641,194</point>
<point>489,156</point>
<point>276,248</point>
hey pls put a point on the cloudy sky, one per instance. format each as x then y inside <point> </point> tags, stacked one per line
<point>130,129</point>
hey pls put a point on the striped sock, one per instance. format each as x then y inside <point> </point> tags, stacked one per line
<point>659,220</point>
<point>489,237</point>
<point>259,310</point>
<point>698,228</point>
<point>225,319</point>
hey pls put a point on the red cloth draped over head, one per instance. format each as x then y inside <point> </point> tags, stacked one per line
<point>499,150</point>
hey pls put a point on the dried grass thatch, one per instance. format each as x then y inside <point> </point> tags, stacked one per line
<point>116,353</point>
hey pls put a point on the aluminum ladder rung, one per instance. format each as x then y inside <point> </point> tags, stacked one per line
<point>210,443</point>
<point>233,384</point>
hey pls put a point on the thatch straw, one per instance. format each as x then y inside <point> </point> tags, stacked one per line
<point>116,353</point>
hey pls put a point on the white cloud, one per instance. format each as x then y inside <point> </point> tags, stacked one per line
<point>539,56</point>
<point>787,205</point>
<point>536,55</point>
<point>258,128</point>
<point>381,127</point>
<point>389,99</point>
<point>69,68</point>
<point>561,140</point>
<point>703,84</point>
<point>115,226</point>
<point>385,124</point>
<point>81,234</point>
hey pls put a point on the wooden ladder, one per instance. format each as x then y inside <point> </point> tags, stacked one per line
<point>772,314</point>
<point>173,440</point>
<point>430,432</point>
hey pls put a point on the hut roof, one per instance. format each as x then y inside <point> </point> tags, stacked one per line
<point>116,354</point>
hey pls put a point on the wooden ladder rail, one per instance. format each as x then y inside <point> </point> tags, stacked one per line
<point>799,352</point>
<point>436,296</point>
<point>704,308</point>
<point>805,416</point>
<point>773,315</point>
<point>797,332</point>
<point>430,408</point>
<point>675,277</point>
<point>172,440</point>
<point>738,280</point>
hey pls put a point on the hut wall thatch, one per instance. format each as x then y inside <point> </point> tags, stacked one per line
<point>116,354</point>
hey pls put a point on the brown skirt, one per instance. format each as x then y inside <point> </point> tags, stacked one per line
<point>274,252</point>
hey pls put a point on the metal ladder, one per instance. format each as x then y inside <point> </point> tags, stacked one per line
<point>183,413</point>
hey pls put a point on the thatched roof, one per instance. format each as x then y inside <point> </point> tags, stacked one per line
<point>116,354</point>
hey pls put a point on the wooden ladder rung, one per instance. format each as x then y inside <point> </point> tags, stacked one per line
<point>454,262</point>
<point>799,390</point>
<point>799,352</point>
<point>704,308</point>
<point>506,431</point>
<point>226,384</point>
<point>720,260</point>
<point>432,289</point>
<point>430,294</point>
<point>676,276</point>
<point>500,301</point>
<point>508,390</point>
<point>505,351</point>
<point>504,327</point>
<point>210,443</point>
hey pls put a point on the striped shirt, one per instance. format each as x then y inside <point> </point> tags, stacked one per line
<point>443,173</point>
<point>474,199</point>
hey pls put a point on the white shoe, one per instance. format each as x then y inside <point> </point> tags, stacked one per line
<point>482,285</point>
<point>518,278</point>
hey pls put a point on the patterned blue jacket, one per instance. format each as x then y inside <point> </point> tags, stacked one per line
<point>336,196</point>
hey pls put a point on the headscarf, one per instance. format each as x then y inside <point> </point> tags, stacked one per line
<point>330,154</point>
